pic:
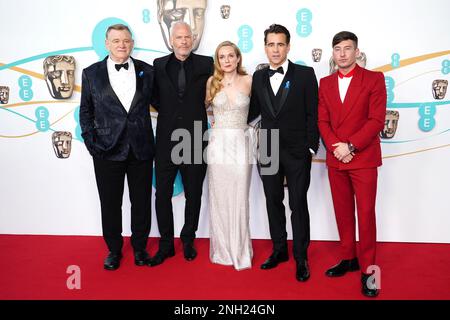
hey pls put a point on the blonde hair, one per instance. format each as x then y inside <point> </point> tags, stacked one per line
<point>216,83</point>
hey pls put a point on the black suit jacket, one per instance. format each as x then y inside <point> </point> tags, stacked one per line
<point>295,114</point>
<point>107,128</point>
<point>175,112</point>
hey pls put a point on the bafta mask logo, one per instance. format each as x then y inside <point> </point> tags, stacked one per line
<point>390,124</point>
<point>439,89</point>
<point>316,54</point>
<point>4,94</point>
<point>62,143</point>
<point>190,11</point>
<point>225,11</point>
<point>361,60</point>
<point>59,72</point>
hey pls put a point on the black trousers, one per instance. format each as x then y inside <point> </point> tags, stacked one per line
<point>192,176</point>
<point>110,176</point>
<point>297,170</point>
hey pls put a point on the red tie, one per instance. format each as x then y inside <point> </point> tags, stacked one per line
<point>348,75</point>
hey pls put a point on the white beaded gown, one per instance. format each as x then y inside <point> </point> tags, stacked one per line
<point>229,157</point>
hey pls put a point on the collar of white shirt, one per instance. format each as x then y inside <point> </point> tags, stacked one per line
<point>285,66</point>
<point>277,78</point>
<point>112,64</point>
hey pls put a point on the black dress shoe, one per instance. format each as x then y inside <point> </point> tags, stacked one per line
<point>302,273</point>
<point>369,288</point>
<point>160,256</point>
<point>343,267</point>
<point>274,260</point>
<point>189,252</point>
<point>141,258</point>
<point>112,261</point>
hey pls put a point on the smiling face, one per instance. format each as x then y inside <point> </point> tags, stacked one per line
<point>277,49</point>
<point>190,11</point>
<point>119,44</point>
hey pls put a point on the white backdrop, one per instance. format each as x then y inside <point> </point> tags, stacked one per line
<point>41,194</point>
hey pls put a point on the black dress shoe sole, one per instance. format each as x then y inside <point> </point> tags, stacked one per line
<point>264,266</point>
<point>190,258</point>
<point>152,263</point>
<point>335,275</point>
<point>303,279</point>
<point>141,263</point>
<point>111,268</point>
<point>370,294</point>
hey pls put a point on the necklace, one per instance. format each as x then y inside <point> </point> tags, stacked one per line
<point>230,82</point>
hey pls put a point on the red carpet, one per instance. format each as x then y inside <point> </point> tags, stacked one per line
<point>34,267</point>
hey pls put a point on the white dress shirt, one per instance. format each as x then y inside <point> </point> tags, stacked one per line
<point>123,82</point>
<point>277,78</point>
<point>344,83</point>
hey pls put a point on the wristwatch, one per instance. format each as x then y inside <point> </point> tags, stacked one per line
<point>351,147</point>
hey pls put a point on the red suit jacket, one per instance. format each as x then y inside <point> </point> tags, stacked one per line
<point>358,120</point>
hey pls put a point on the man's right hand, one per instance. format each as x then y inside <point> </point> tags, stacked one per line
<point>347,158</point>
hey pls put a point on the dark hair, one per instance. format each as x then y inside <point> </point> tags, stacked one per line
<point>345,35</point>
<point>119,27</point>
<point>277,28</point>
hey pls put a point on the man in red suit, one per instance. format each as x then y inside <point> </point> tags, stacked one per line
<point>352,110</point>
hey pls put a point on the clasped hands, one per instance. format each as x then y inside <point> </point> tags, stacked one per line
<point>342,152</point>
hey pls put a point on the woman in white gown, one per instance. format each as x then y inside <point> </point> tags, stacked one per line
<point>229,158</point>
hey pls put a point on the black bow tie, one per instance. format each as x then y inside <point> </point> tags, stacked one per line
<point>123,65</point>
<point>272,72</point>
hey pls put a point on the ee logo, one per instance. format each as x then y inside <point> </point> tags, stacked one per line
<point>395,60</point>
<point>25,93</point>
<point>426,120</point>
<point>245,34</point>
<point>146,16</point>
<point>42,123</point>
<point>445,67</point>
<point>304,17</point>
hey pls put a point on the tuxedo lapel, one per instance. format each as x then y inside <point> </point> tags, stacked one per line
<point>285,86</point>
<point>335,99</point>
<point>106,84</point>
<point>354,89</point>
<point>265,85</point>
<point>139,74</point>
<point>165,61</point>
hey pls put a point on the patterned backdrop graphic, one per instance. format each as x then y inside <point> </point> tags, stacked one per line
<point>49,186</point>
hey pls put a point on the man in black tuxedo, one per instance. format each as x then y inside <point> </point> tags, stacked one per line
<point>286,97</point>
<point>180,87</point>
<point>116,127</point>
